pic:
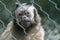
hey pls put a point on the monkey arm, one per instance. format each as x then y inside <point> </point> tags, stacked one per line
<point>6,32</point>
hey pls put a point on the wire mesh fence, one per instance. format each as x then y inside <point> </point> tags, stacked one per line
<point>48,10</point>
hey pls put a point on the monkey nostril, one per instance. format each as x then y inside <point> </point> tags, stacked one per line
<point>24,17</point>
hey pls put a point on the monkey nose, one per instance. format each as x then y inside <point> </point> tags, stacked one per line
<point>23,17</point>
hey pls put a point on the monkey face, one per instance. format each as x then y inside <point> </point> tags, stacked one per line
<point>25,14</point>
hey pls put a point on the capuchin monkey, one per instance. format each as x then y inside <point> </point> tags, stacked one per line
<point>26,26</point>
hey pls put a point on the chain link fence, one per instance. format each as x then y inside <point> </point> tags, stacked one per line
<point>49,11</point>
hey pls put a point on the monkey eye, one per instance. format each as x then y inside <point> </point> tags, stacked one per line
<point>19,14</point>
<point>27,13</point>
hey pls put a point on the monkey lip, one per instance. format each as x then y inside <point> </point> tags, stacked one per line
<point>26,20</point>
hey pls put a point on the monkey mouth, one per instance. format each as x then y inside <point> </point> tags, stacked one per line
<point>26,20</point>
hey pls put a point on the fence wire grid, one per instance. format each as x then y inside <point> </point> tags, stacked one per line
<point>50,23</point>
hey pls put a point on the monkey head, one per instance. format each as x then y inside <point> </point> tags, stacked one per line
<point>26,14</point>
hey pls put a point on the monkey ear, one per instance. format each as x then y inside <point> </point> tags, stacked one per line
<point>34,14</point>
<point>37,18</point>
<point>17,4</point>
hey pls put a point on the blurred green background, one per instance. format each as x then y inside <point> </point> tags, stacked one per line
<point>52,29</point>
